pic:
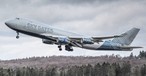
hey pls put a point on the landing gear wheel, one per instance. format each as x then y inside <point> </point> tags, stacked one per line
<point>60,49</point>
<point>17,37</point>
<point>59,46</point>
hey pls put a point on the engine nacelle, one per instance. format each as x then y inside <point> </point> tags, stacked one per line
<point>87,41</point>
<point>47,41</point>
<point>63,40</point>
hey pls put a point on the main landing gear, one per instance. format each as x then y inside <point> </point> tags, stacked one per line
<point>17,35</point>
<point>60,48</point>
<point>67,48</point>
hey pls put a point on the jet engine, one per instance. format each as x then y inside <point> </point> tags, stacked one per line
<point>63,40</point>
<point>46,41</point>
<point>87,41</point>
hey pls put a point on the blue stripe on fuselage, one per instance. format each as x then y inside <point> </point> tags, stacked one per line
<point>108,45</point>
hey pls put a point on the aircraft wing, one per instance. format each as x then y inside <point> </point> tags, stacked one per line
<point>73,40</point>
<point>79,38</point>
<point>95,39</point>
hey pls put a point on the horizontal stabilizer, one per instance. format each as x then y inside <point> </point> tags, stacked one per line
<point>130,47</point>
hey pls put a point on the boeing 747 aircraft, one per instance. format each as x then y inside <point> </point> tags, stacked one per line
<point>52,35</point>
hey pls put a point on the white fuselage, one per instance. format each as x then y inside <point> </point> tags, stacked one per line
<point>25,25</point>
<point>48,33</point>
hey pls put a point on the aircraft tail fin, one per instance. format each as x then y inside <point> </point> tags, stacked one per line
<point>127,37</point>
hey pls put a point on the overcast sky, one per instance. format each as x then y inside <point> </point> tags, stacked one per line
<point>89,17</point>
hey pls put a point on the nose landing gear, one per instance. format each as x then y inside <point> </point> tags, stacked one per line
<point>17,35</point>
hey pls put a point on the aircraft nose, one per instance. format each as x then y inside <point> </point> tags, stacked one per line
<point>7,23</point>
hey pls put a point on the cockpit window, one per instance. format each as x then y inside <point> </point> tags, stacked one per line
<point>17,18</point>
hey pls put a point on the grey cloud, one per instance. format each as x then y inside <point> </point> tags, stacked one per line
<point>83,2</point>
<point>111,14</point>
<point>70,2</point>
<point>12,3</point>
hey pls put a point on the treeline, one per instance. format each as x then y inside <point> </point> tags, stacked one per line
<point>104,69</point>
<point>122,68</point>
<point>142,54</point>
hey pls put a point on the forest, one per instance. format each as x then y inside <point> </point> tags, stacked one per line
<point>76,66</point>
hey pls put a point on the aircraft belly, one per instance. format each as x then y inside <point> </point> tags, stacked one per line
<point>91,46</point>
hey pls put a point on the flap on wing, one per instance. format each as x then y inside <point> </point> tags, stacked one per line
<point>46,36</point>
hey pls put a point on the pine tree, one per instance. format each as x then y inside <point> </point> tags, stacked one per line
<point>126,69</point>
<point>136,71</point>
<point>18,72</point>
<point>62,72</point>
<point>131,55</point>
<point>96,70</point>
<point>143,70</point>
<point>88,70</point>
